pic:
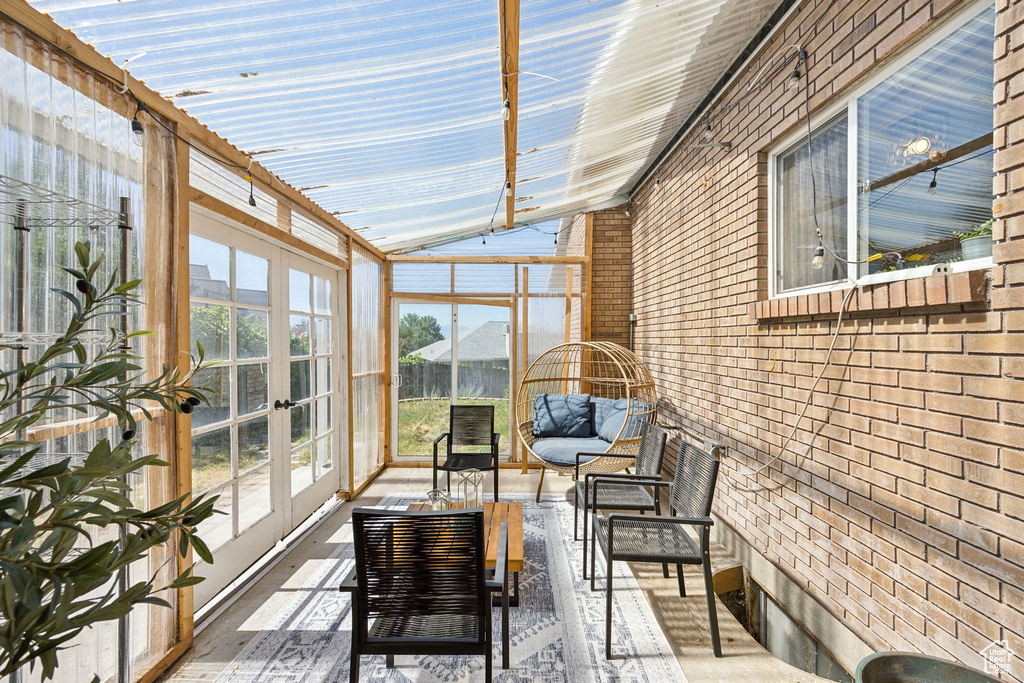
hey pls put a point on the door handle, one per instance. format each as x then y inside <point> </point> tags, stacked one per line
<point>287,403</point>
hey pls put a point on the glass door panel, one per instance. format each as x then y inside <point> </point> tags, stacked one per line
<point>231,434</point>
<point>482,368</point>
<point>423,383</point>
<point>312,321</point>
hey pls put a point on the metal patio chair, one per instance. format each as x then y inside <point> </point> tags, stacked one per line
<point>420,585</point>
<point>648,459</point>
<point>468,426</point>
<point>663,539</point>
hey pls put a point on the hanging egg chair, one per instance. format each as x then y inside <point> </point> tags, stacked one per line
<point>584,397</point>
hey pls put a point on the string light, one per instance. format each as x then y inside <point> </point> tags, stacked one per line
<point>138,130</point>
<point>506,109</point>
<point>483,240</point>
<point>508,188</point>
<point>556,239</point>
<point>492,231</point>
<point>819,257</point>
<point>794,79</point>
<point>252,198</point>
<point>933,185</point>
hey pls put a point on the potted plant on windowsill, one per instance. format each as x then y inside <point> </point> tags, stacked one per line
<point>977,242</point>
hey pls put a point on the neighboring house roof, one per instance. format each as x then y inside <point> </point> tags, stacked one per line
<point>203,284</point>
<point>485,342</point>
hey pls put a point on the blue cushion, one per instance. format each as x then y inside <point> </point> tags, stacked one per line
<point>600,409</point>
<point>563,451</point>
<point>617,415</point>
<point>560,415</point>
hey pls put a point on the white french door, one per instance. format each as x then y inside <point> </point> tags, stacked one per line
<point>306,402</point>
<point>268,443</point>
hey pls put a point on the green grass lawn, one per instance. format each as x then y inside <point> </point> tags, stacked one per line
<point>422,421</point>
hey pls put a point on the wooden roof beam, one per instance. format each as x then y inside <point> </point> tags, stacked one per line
<point>508,24</point>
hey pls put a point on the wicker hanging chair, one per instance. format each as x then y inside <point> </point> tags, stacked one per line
<point>602,370</point>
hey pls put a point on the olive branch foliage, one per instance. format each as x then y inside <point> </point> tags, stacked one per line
<point>56,579</point>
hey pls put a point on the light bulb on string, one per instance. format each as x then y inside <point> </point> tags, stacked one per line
<point>492,232</point>
<point>508,188</point>
<point>934,184</point>
<point>556,239</point>
<point>506,110</point>
<point>138,130</point>
<point>794,79</point>
<point>483,240</point>
<point>252,198</point>
<point>819,257</point>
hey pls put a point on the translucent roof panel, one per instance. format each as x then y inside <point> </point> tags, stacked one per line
<point>388,112</point>
<point>605,85</point>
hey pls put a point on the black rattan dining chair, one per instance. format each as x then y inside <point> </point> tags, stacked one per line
<point>468,426</point>
<point>649,457</point>
<point>420,585</point>
<point>663,539</point>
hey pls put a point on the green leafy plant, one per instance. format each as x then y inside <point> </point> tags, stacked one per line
<point>56,574</point>
<point>979,230</point>
<point>416,331</point>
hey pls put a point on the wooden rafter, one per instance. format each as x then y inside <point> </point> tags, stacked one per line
<point>508,25</point>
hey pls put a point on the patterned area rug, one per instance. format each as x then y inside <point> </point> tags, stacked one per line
<point>556,633</point>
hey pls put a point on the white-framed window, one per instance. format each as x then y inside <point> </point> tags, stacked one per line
<point>901,168</point>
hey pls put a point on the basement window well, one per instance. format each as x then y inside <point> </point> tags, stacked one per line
<point>896,177</point>
<point>779,633</point>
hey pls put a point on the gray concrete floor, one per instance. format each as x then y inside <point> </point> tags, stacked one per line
<point>684,620</point>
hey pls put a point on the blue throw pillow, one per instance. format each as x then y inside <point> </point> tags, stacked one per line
<point>559,415</point>
<point>600,410</point>
<point>617,416</point>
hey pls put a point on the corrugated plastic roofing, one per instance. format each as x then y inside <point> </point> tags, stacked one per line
<point>389,112</point>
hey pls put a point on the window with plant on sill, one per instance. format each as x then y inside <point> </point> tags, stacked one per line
<point>921,155</point>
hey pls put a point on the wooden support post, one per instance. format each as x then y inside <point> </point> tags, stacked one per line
<point>351,397</point>
<point>526,342</point>
<point>588,286</point>
<point>513,378</point>
<point>386,324</point>
<point>182,340</point>
<point>508,29</point>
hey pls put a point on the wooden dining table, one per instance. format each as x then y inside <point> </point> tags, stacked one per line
<point>494,515</point>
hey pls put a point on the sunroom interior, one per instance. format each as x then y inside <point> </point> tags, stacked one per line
<point>355,216</point>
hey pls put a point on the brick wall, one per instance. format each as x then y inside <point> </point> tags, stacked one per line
<point>901,510</point>
<point>612,276</point>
